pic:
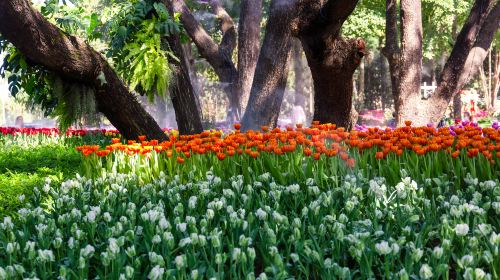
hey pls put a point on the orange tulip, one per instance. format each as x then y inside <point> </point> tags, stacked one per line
<point>221,156</point>
<point>180,160</point>
<point>103,153</point>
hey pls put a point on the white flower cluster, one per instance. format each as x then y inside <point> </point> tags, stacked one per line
<point>118,228</point>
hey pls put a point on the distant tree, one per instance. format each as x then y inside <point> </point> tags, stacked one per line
<point>469,51</point>
<point>468,54</point>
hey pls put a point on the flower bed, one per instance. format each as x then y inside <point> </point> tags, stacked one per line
<point>320,152</point>
<point>304,203</point>
<point>117,228</point>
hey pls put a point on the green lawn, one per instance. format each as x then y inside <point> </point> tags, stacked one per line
<point>23,168</point>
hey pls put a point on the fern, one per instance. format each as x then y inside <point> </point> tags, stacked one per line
<point>149,62</point>
<point>77,104</point>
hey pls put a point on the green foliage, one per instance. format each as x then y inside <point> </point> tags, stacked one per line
<point>148,62</point>
<point>76,103</point>
<point>368,22</point>
<point>130,32</point>
<point>437,23</point>
<point>140,55</point>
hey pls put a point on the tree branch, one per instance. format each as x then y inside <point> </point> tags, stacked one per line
<point>228,42</point>
<point>449,81</point>
<point>481,46</point>
<point>206,45</point>
<point>74,60</point>
<point>217,56</point>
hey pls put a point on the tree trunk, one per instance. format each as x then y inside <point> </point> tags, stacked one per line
<point>248,48</point>
<point>361,90</point>
<point>218,56</point>
<point>471,47</point>
<point>74,60</point>
<point>298,68</point>
<point>410,67</point>
<point>496,86</point>
<point>182,92</point>
<point>457,107</point>
<point>271,72</point>
<point>332,64</point>
<point>331,58</point>
<point>368,69</point>
<point>391,50</point>
<point>387,98</point>
<point>193,76</point>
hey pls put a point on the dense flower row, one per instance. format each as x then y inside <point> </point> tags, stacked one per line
<point>321,149</point>
<point>51,131</point>
<point>321,139</point>
<point>116,228</point>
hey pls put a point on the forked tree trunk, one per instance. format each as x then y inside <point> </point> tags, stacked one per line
<point>470,49</point>
<point>218,55</point>
<point>72,59</point>
<point>272,70</point>
<point>332,64</point>
<point>410,64</point>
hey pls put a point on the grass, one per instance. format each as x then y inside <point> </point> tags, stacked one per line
<point>23,168</point>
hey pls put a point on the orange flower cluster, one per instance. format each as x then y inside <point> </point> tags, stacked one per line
<point>422,140</point>
<point>87,150</point>
<point>320,140</point>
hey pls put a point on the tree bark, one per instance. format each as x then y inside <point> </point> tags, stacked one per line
<point>457,107</point>
<point>74,60</point>
<point>496,86</point>
<point>333,96</point>
<point>329,55</point>
<point>473,41</point>
<point>193,76</point>
<point>391,50</point>
<point>385,86</point>
<point>271,72</point>
<point>218,56</point>
<point>298,67</point>
<point>248,48</point>
<point>183,97</point>
<point>182,91</point>
<point>410,67</point>
<point>361,87</point>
